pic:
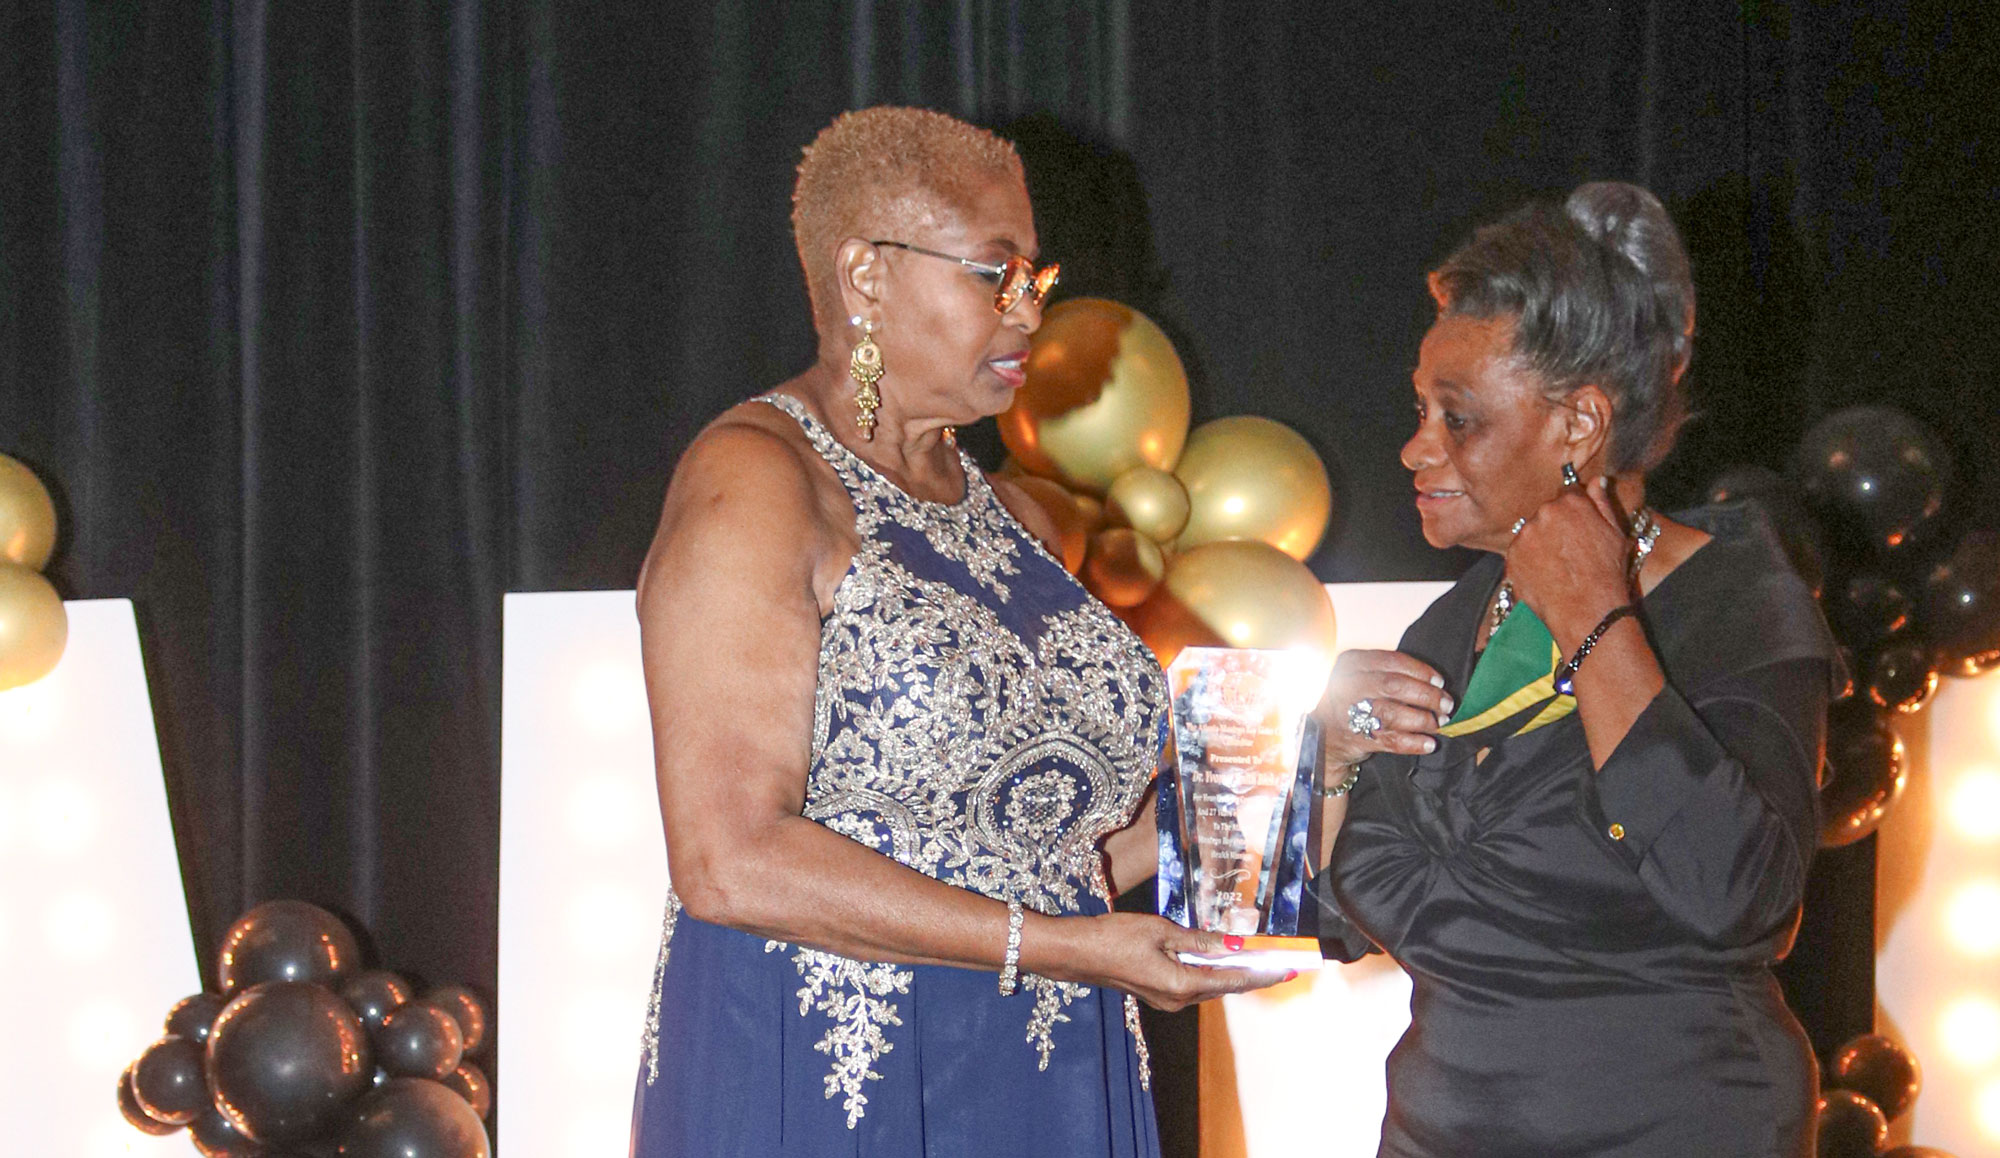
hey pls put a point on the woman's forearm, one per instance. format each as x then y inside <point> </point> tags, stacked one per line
<point>795,880</point>
<point>1616,682</point>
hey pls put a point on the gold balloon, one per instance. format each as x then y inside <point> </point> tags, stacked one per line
<point>1072,536</point>
<point>1238,593</point>
<point>27,517</point>
<point>1105,393</point>
<point>1252,478</point>
<point>33,626</point>
<point>1123,567</point>
<point>1151,502</point>
<point>1091,510</point>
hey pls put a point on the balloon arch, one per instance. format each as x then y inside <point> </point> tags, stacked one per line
<point>1195,538</point>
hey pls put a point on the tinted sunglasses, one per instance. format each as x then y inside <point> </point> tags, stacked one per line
<point>1013,280</point>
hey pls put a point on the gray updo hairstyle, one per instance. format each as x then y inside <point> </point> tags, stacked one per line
<point>1599,290</point>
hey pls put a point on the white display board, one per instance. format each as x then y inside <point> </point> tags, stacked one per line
<point>1937,919</point>
<point>583,877</point>
<point>583,874</point>
<point>94,940</point>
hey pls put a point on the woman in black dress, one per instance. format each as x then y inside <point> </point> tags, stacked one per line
<point>1583,789</point>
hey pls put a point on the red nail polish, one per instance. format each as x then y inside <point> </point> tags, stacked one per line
<point>1233,944</point>
<point>1290,974</point>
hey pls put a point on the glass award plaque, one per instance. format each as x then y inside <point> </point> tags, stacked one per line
<point>1237,803</point>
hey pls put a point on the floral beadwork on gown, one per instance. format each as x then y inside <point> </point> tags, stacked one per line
<point>979,718</point>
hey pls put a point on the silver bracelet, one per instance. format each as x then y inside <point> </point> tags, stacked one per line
<point>1345,786</point>
<point>1010,968</point>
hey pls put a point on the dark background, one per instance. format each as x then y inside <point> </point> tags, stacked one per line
<point>329,324</point>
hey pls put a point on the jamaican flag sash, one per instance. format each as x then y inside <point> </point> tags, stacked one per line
<point>1516,673</point>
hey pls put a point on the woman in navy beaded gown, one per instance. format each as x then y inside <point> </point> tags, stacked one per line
<point>902,754</point>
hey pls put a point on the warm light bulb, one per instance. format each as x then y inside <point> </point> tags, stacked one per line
<point>1972,916</point>
<point>610,698</point>
<point>1969,1030</point>
<point>1986,1109</point>
<point>1974,806</point>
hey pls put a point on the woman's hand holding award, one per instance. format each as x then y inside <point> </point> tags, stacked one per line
<point>1237,803</point>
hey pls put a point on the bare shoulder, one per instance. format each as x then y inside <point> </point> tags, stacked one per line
<point>745,493</point>
<point>1030,513</point>
<point>751,456</point>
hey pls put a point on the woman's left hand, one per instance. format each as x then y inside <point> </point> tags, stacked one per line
<point>1569,561</point>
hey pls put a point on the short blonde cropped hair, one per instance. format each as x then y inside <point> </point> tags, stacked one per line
<point>882,174</point>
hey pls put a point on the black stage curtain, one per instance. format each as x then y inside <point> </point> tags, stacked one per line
<point>332,323</point>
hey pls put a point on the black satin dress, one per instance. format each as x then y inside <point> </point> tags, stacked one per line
<point>1577,993</point>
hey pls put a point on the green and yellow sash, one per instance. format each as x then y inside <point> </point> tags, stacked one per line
<point>1515,673</point>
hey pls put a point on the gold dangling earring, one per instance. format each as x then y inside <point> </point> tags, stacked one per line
<point>865,367</point>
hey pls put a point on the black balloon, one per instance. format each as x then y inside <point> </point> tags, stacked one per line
<point>217,1137</point>
<point>1902,676</point>
<point>286,941</point>
<point>136,1115</point>
<point>374,993</point>
<point>193,1016</point>
<point>1878,1069</point>
<point>1864,774</point>
<point>466,1008</point>
<point>1775,495</point>
<point>1850,1126</point>
<point>418,1040</point>
<point>167,1081</point>
<point>1959,606</point>
<point>1873,474</point>
<point>1849,674</point>
<point>468,1081</point>
<point>285,1059</point>
<point>413,1118</point>
<point>1870,609</point>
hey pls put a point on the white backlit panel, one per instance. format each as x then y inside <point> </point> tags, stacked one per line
<point>94,940</point>
<point>1937,918</point>
<point>583,874</point>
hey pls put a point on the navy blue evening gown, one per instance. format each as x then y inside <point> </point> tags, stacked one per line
<point>980,718</point>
